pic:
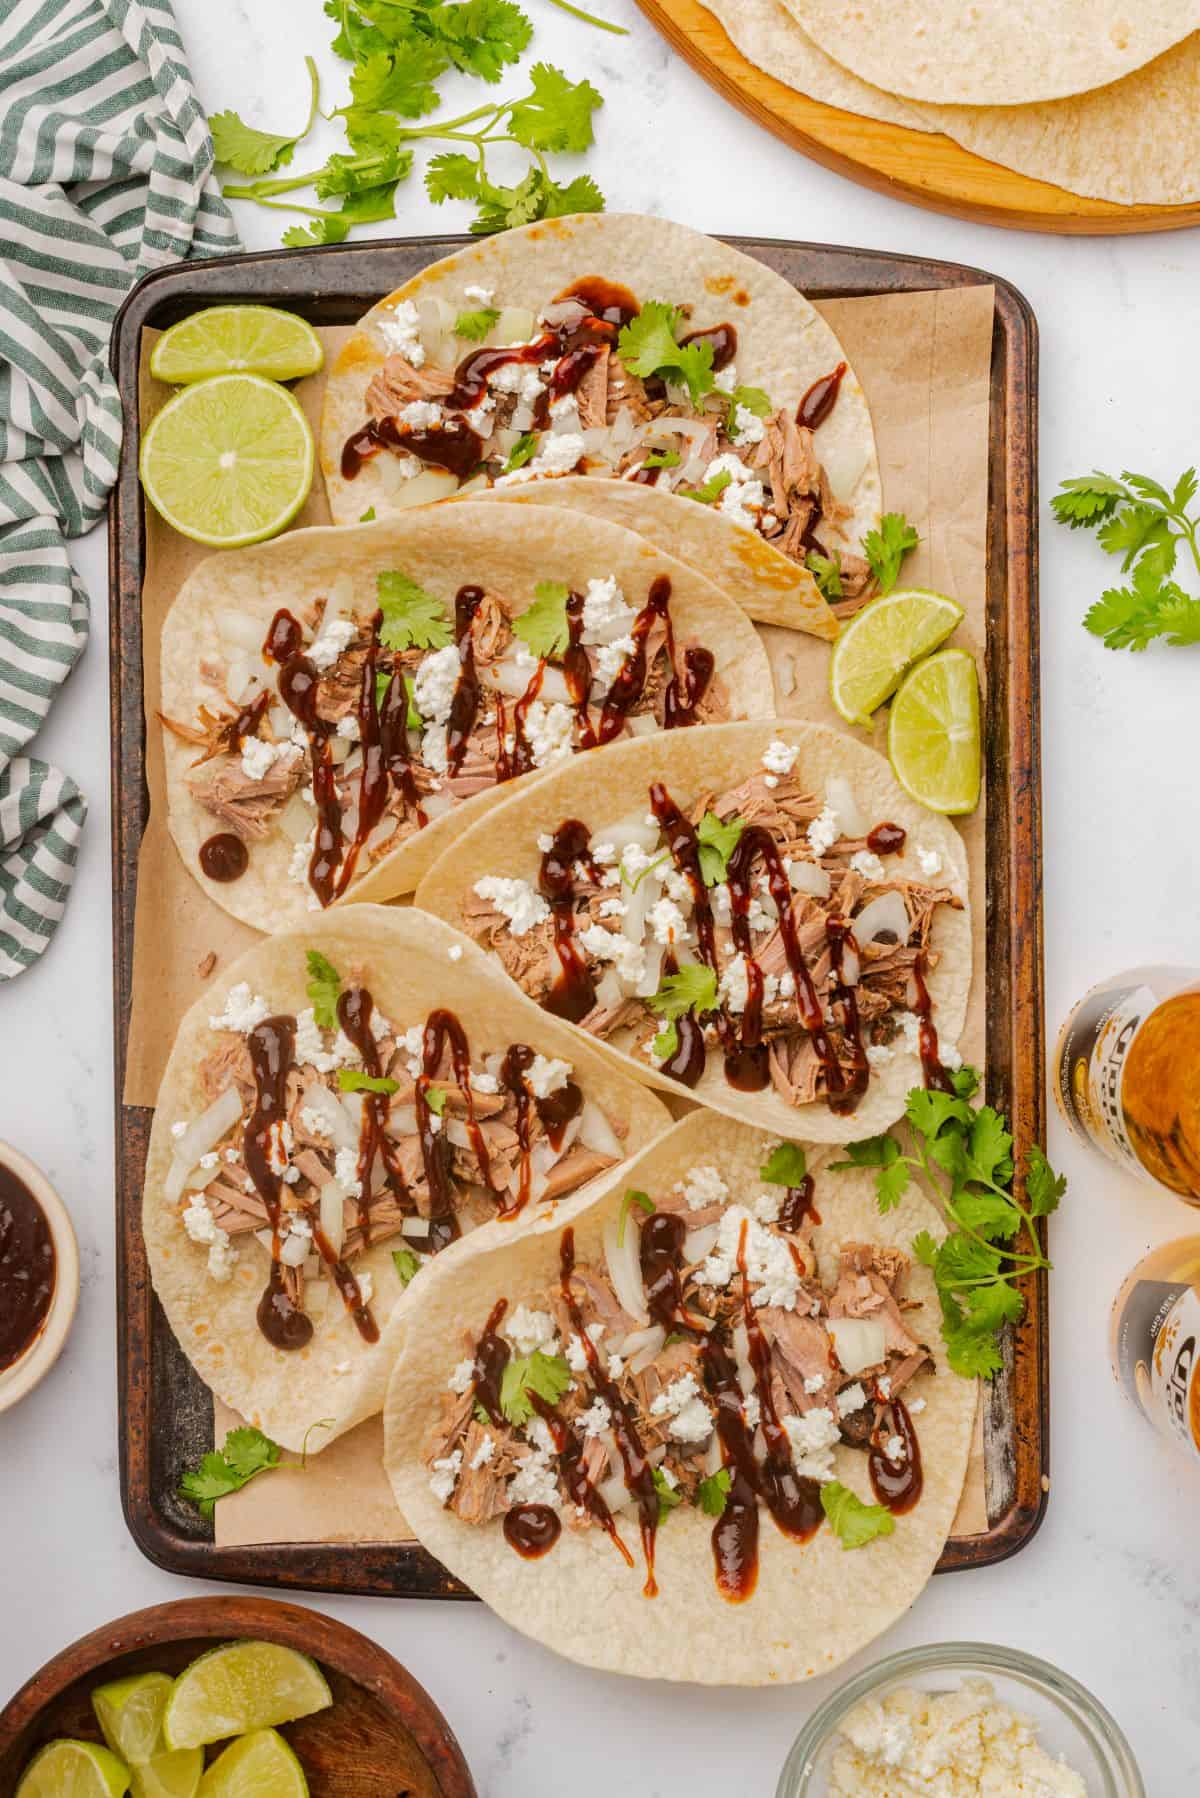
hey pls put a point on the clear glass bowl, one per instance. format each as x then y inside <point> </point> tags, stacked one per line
<point>1070,1722</point>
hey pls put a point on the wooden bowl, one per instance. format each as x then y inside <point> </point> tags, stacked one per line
<point>383,1737</point>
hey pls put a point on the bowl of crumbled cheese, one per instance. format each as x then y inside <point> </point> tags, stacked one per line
<point>961,1720</point>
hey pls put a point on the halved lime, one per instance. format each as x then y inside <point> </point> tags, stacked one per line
<point>259,1766</point>
<point>879,643</point>
<point>70,1769</point>
<point>242,1686</point>
<point>130,1712</point>
<point>261,340</point>
<point>175,1774</point>
<point>228,461</point>
<point>933,733</point>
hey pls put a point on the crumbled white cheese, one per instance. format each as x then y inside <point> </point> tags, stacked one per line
<point>434,751</point>
<point>768,1205</point>
<point>550,733</point>
<point>884,1386</point>
<point>616,1367</point>
<point>748,427</point>
<point>691,1419</point>
<point>483,1453</point>
<point>534,1482</point>
<point>444,1477</point>
<point>210,1159</point>
<point>311,1050</point>
<point>345,1172</point>
<point>258,758</point>
<point>824,830</point>
<point>566,408</point>
<point>611,658</point>
<point>400,329</point>
<point>244,1010</point>
<point>198,1220</point>
<point>868,864</point>
<point>668,923</point>
<point>702,1186</point>
<point>485,1083</point>
<point>910,1024</point>
<point>347,727</point>
<point>627,957</point>
<point>460,1379</point>
<point>301,856</point>
<point>529,1331</point>
<point>634,862</point>
<point>560,453</point>
<point>595,1420</point>
<point>879,1054</point>
<point>222,1258</point>
<point>482,296</point>
<point>769,1265</point>
<point>813,1438</point>
<point>178,1128</point>
<point>606,613</point>
<point>814,1383</point>
<point>546,1076</point>
<point>603,854</point>
<point>851,1398</point>
<point>725,379</point>
<point>329,643</point>
<point>520,378</point>
<point>960,1743</point>
<point>930,860</point>
<point>516,900</point>
<point>434,683</point>
<point>744,497</point>
<point>949,1056</point>
<point>314,1123</point>
<point>734,987</point>
<point>421,414</point>
<point>779,757</point>
<point>613,908</point>
<point>894,1450</point>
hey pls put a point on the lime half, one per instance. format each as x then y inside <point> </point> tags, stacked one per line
<point>242,1686</point>
<point>259,1766</point>
<point>228,461</point>
<point>933,733</point>
<point>260,340</point>
<point>70,1769</point>
<point>130,1712</point>
<point>879,643</point>
<point>174,1774</point>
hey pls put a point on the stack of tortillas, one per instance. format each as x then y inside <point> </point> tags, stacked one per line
<point>1101,97</point>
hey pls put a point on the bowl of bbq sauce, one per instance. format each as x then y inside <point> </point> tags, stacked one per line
<point>39,1275</point>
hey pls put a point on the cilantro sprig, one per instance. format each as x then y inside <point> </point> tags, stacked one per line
<point>354,1080</point>
<point>546,1376</point>
<point>1142,522</point>
<point>245,1454</point>
<point>853,1522</point>
<point>324,986</point>
<point>786,1165</point>
<point>712,1492</point>
<point>692,988</point>
<point>887,547</point>
<point>710,491</point>
<point>474,326</point>
<point>717,842</point>
<point>826,572</point>
<point>642,1200</point>
<point>542,626</point>
<point>647,346</point>
<point>668,1497</point>
<point>406,1264</point>
<point>412,618</point>
<point>252,152</point>
<point>965,1155</point>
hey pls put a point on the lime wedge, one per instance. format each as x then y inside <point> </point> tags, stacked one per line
<point>933,733</point>
<point>225,339</point>
<point>242,1686</point>
<point>879,643</point>
<point>228,461</point>
<point>130,1712</point>
<point>259,1766</point>
<point>175,1774</point>
<point>69,1769</point>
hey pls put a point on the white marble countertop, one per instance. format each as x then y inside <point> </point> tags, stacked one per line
<point>1110,1588</point>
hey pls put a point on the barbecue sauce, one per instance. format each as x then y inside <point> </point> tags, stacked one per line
<point>927,1036</point>
<point>798,1208</point>
<point>299,690</point>
<point>272,1044</point>
<point>453,445</point>
<point>491,1358</point>
<point>896,1484</point>
<point>820,399</point>
<point>224,857</point>
<point>27,1268</point>
<point>532,1530</point>
<point>573,994</point>
<point>724,341</point>
<point>840,936</point>
<point>464,705</point>
<point>686,1062</point>
<point>580,1489</point>
<point>442,1028</point>
<point>887,839</point>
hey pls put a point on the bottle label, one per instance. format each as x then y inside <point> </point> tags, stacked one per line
<point>1157,1349</point>
<point>1091,1063</point>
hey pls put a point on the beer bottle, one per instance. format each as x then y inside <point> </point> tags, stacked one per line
<point>1127,1074</point>
<point>1155,1336</point>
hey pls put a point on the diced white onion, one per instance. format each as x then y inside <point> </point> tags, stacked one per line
<point>622,430</point>
<point>237,630</point>
<point>624,1267</point>
<point>280,721</point>
<point>858,1342</point>
<point>659,430</point>
<point>844,460</point>
<point>741,1355</point>
<point>402,1120</point>
<point>293,1251</point>
<point>643,724</point>
<point>713,1459</point>
<point>698,1244</point>
<point>424,488</point>
<point>435,805</point>
<point>807,877</point>
<point>295,820</point>
<point>609,990</point>
<point>509,678</point>
<point>840,795</point>
<point>458,1134</point>
<point>436,324</point>
<point>332,1115</point>
<point>415,1227</point>
<point>615,1493</point>
<point>514,325</point>
<point>850,965</point>
<point>633,829</point>
<point>641,1346</point>
<point>200,1177</point>
<point>597,1134</point>
<point>648,983</point>
<point>206,1131</point>
<point>478,483</point>
<point>885,915</point>
<point>352,1105</point>
<point>333,1216</point>
<point>339,749</point>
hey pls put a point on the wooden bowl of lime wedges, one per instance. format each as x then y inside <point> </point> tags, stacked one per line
<point>223,1697</point>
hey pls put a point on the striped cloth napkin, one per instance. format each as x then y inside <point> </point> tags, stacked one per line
<point>105,173</point>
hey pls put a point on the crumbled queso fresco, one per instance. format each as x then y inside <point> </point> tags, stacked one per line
<point>960,1744</point>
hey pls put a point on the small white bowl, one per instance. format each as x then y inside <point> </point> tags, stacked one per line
<point>37,1360</point>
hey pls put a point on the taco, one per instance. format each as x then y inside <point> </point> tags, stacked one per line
<point>618,363</point>
<point>336,704</point>
<point>350,1099</point>
<point>758,913</point>
<point>648,1430</point>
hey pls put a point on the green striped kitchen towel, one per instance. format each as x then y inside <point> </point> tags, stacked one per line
<point>105,173</point>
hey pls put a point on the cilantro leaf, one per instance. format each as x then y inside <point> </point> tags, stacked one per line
<point>435,1098</point>
<point>1179,618</point>
<point>647,346</point>
<point>367,517</point>
<point>481,37</point>
<point>246,1452</point>
<point>712,1492</point>
<point>522,451</point>
<point>1043,1187</point>
<point>384,83</point>
<point>891,1184</point>
<point>1136,528</point>
<point>1087,500</point>
<point>557,113</point>
<point>358,175</point>
<point>988,1214</point>
<point>252,152</point>
<point>407,1265</point>
<point>692,988</point>
<point>542,626</point>
<point>711,491</point>
<point>989,1152</point>
<point>547,1376</point>
<point>785,1165</point>
<point>717,842</point>
<point>642,1200</point>
<point>353,1080</point>
<point>929,1111</point>
<point>666,1043</point>
<point>474,326</point>
<point>870,1151</point>
<point>327,228</point>
<point>752,399</point>
<point>412,618</point>
<point>662,458</point>
<point>826,572</point>
<point>324,985</point>
<point>452,176</point>
<point>887,547</point>
<point>668,1497</point>
<point>852,1521</point>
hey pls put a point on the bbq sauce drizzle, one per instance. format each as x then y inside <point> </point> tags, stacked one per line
<point>896,1484</point>
<point>682,695</point>
<point>574,993</point>
<point>555,1112</point>
<point>927,1036</point>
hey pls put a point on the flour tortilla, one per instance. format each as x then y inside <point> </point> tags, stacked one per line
<point>768,36</point>
<point>816,1604</point>
<point>441,549</point>
<point>711,761</point>
<point>783,346</point>
<point>999,52</point>
<point>405,961</point>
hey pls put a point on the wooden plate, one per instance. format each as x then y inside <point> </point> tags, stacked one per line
<point>921,166</point>
<point>383,1734</point>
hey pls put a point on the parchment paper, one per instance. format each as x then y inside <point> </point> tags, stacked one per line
<point>924,360</point>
